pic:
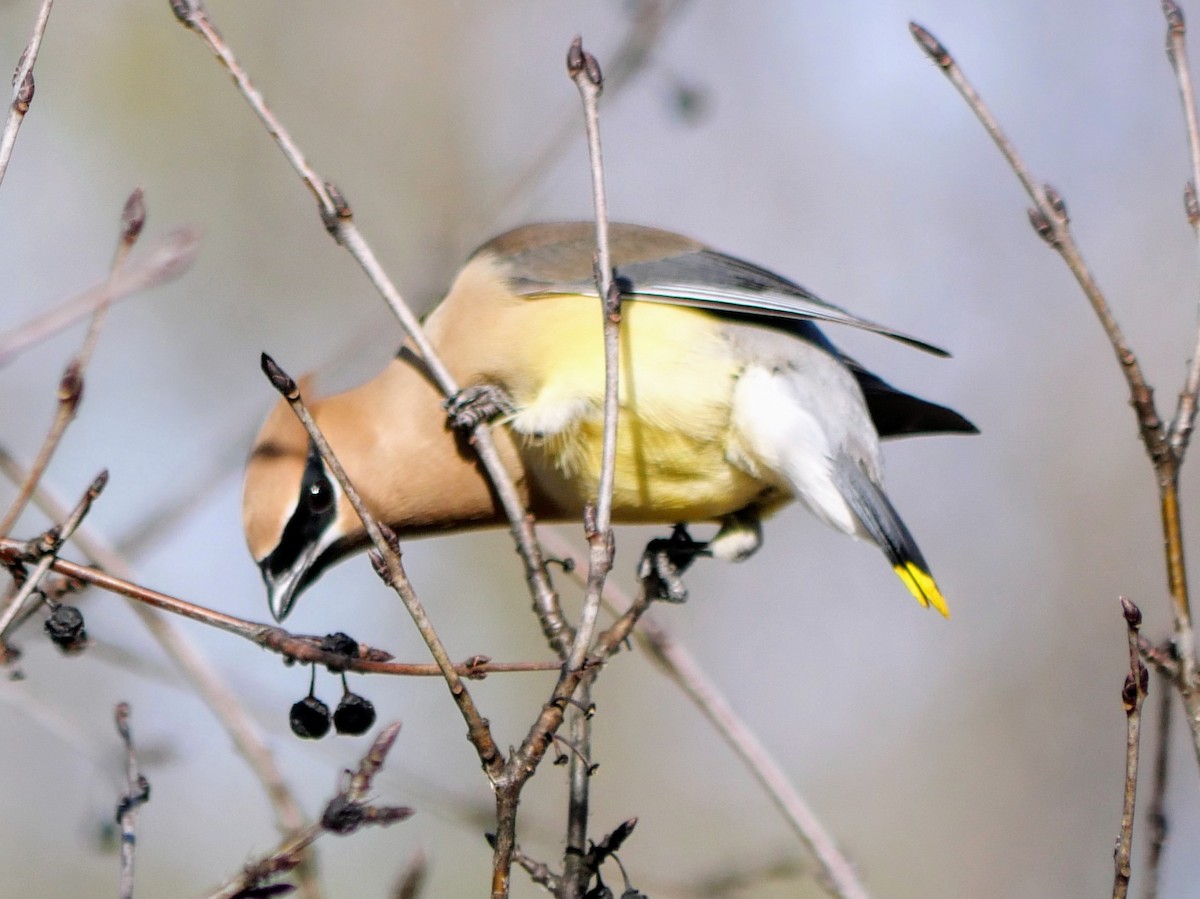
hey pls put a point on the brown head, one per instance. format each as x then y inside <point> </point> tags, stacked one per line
<point>391,436</point>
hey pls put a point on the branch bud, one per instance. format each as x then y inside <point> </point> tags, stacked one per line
<point>581,62</point>
<point>931,45</point>
<point>70,387</point>
<point>341,212</point>
<point>133,217</point>
<point>1133,615</point>
<point>279,379</point>
<point>1174,16</point>
<point>184,10</point>
<point>24,96</point>
<point>1129,694</point>
<point>98,484</point>
<point>1057,204</point>
<point>1042,226</point>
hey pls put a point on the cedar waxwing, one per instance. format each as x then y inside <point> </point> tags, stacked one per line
<point>732,403</point>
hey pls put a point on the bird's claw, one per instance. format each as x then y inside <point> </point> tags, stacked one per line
<point>472,406</point>
<point>664,562</point>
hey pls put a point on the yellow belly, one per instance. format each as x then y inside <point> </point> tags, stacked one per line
<point>662,475</point>
<point>676,389</point>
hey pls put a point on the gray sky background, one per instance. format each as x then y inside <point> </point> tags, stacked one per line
<point>977,756</point>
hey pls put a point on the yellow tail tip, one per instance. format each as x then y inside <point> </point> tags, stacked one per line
<point>921,585</point>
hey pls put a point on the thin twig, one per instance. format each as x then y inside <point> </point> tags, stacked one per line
<point>70,391</point>
<point>834,869</point>
<point>386,559</point>
<point>337,217</point>
<point>165,260</point>
<point>523,762</point>
<point>221,700</point>
<point>1180,431</point>
<point>1133,694</point>
<point>22,87</point>
<point>1156,815</point>
<point>70,388</point>
<point>137,794</point>
<point>575,875</point>
<point>584,70</point>
<point>646,30</point>
<point>133,220</point>
<point>345,814</point>
<point>298,648</point>
<point>538,872</point>
<point>1050,220</point>
<point>48,553</point>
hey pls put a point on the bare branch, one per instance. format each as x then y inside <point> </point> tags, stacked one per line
<point>1180,431</point>
<point>1050,220</point>
<point>212,690</point>
<point>298,648</point>
<point>386,558</point>
<point>70,391</point>
<point>412,881</point>
<point>22,87</point>
<point>138,794</point>
<point>338,219</point>
<point>346,813</point>
<point>584,70</point>
<point>47,551</point>
<point>164,261</point>
<point>133,220</point>
<point>1133,694</point>
<point>685,672</point>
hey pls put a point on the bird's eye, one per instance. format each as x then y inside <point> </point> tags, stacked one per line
<point>319,496</point>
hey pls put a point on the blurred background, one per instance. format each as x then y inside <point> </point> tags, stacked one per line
<point>977,756</point>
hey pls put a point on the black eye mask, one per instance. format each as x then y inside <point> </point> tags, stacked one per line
<point>315,511</point>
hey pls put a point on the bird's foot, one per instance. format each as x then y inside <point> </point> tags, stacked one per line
<point>472,406</point>
<point>664,562</point>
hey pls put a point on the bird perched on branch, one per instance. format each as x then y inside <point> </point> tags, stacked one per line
<point>732,403</point>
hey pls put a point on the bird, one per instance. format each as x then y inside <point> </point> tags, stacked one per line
<point>732,403</point>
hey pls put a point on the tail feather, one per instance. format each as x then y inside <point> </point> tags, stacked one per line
<point>883,524</point>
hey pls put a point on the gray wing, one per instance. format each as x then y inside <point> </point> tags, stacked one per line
<point>660,267</point>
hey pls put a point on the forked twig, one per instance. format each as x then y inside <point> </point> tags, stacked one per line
<point>386,559</point>
<point>47,552</point>
<point>224,704</point>
<point>336,215</point>
<point>1163,443</point>
<point>165,260</point>
<point>674,659</point>
<point>584,70</point>
<point>296,648</point>
<point>1181,428</point>
<point>345,814</point>
<point>174,262</point>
